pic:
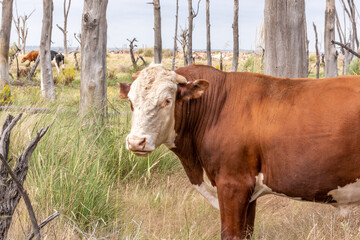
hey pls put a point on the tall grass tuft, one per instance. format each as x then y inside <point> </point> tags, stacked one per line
<point>77,168</point>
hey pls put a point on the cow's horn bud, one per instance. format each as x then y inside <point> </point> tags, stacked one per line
<point>180,79</point>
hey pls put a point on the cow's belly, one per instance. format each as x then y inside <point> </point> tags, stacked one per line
<point>344,197</point>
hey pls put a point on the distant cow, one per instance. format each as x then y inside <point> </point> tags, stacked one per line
<point>56,58</point>
<point>243,135</point>
<point>31,57</point>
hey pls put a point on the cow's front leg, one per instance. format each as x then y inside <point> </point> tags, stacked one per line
<point>234,205</point>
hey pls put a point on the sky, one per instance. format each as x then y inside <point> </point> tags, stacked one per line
<point>134,18</point>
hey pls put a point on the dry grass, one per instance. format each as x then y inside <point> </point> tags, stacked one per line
<point>167,207</point>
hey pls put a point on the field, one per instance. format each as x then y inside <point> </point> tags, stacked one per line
<point>103,191</point>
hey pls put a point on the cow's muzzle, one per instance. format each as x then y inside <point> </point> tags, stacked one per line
<point>137,145</point>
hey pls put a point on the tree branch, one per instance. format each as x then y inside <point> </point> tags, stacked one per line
<point>42,224</point>
<point>60,28</point>
<point>24,195</point>
<point>346,47</point>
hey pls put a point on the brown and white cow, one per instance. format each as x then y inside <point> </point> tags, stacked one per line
<point>242,135</point>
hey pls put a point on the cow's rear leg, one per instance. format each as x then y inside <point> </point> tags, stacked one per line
<point>234,206</point>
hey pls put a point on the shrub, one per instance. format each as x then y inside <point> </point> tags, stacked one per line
<point>248,65</point>
<point>167,53</point>
<point>111,74</point>
<point>354,67</point>
<point>149,52</point>
<point>5,96</point>
<point>67,76</point>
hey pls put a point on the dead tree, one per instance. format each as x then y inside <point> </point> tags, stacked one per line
<point>76,60</point>
<point>208,39</point>
<point>5,30</point>
<point>350,39</point>
<point>33,69</point>
<point>64,29</point>
<point>131,46</point>
<point>285,39</point>
<point>317,53</point>
<point>47,81</point>
<point>78,38</point>
<point>329,35</point>
<point>175,37</point>
<point>192,15</point>
<point>157,32</point>
<point>235,27</point>
<point>21,28</point>
<point>11,190</point>
<point>15,52</point>
<point>93,95</point>
<point>183,40</point>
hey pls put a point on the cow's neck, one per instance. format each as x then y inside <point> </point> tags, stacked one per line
<point>192,118</point>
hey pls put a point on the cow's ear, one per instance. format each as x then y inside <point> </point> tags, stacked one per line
<point>135,75</point>
<point>124,89</point>
<point>193,89</point>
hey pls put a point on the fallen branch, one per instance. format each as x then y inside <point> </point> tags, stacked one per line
<point>25,196</point>
<point>11,189</point>
<point>346,47</point>
<point>42,224</point>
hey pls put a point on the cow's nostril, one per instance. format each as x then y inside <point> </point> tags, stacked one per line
<point>142,143</point>
<point>136,143</point>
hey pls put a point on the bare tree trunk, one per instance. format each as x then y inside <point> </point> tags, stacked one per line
<point>5,30</point>
<point>235,27</point>
<point>317,53</point>
<point>191,17</point>
<point>190,27</point>
<point>64,30</point>
<point>175,37</point>
<point>47,81</point>
<point>24,30</point>
<point>208,39</point>
<point>93,57</point>
<point>183,41</point>
<point>285,50</point>
<point>329,35</point>
<point>157,32</point>
<point>132,56</point>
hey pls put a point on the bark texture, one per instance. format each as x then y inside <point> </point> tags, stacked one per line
<point>329,35</point>
<point>175,35</point>
<point>47,81</point>
<point>190,31</point>
<point>208,39</point>
<point>157,32</point>
<point>317,53</point>
<point>235,27</point>
<point>93,57</point>
<point>6,18</point>
<point>285,38</point>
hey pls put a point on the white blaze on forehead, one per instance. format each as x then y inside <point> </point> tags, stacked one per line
<point>208,191</point>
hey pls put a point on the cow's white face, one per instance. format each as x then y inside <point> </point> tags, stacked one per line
<point>152,96</point>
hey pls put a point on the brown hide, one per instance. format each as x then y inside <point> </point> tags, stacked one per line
<point>31,56</point>
<point>303,136</point>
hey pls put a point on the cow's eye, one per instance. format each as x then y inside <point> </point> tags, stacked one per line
<point>167,102</point>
